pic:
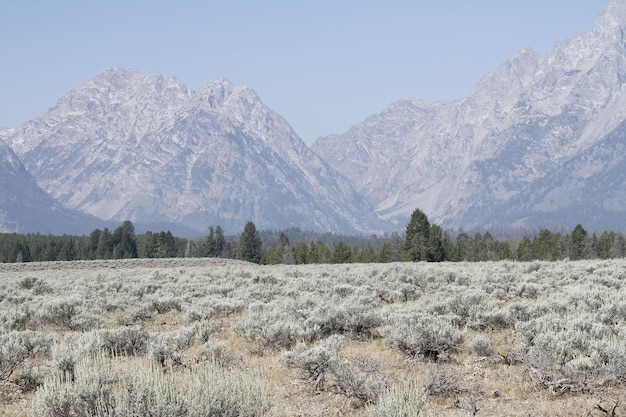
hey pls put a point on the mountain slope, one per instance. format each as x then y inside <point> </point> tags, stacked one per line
<point>470,162</point>
<point>144,148</point>
<point>25,208</point>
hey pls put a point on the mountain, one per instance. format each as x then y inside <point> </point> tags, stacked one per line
<point>539,142</point>
<point>150,150</point>
<point>25,208</point>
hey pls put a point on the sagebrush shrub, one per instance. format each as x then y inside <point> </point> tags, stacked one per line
<point>17,347</point>
<point>361,379</point>
<point>106,387</point>
<point>60,313</point>
<point>272,325</point>
<point>123,341</point>
<point>423,334</point>
<point>316,361</point>
<point>404,399</point>
<point>481,346</point>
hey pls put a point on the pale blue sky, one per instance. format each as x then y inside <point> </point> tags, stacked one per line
<point>323,65</point>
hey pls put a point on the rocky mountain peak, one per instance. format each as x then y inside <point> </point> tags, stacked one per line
<point>124,146</point>
<point>614,15</point>
<point>223,92</point>
<point>503,155</point>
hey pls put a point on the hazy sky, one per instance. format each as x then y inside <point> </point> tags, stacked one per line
<point>323,65</point>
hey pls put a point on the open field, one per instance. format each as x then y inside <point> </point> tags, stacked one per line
<point>209,337</point>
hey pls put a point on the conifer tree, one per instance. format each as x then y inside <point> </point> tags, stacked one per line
<point>580,243</point>
<point>416,242</point>
<point>124,241</point>
<point>250,246</point>
<point>435,252</point>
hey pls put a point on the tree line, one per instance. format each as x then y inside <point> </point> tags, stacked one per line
<point>422,241</point>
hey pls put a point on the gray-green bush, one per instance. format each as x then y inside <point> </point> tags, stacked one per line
<point>105,387</point>
<point>403,399</point>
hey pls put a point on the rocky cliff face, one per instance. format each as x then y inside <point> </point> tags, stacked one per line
<point>504,155</point>
<point>148,149</point>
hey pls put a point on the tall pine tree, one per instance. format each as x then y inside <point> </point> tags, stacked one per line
<point>250,247</point>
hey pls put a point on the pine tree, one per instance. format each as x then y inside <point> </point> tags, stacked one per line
<point>166,245</point>
<point>281,253</point>
<point>580,243</point>
<point>148,246</point>
<point>92,245</point>
<point>435,251</point>
<point>463,248</point>
<point>105,245</point>
<point>125,242</point>
<point>524,250</point>
<point>341,254</point>
<point>250,246</point>
<point>416,240</point>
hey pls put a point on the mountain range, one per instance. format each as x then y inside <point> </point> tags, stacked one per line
<point>148,149</point>
<point>539,143</point>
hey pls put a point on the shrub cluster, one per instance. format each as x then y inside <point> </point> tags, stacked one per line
<point>107,387</point>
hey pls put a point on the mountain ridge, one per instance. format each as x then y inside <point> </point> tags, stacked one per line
<point>143,148</point>
<point>536,143</point>
<point>25,208</point>
<point>522,122</point>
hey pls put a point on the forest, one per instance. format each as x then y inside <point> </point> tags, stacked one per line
<point>421,241</point>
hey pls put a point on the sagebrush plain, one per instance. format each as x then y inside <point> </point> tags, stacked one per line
<point>212,337</point>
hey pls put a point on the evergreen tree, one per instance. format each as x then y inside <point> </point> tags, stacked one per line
<point>367,255</point>
<point>207,244</point>
<point>524,250</point>
<point>147,245</point>
<point>341,254</point>
<point>546,246</point>
<point>618,249</point>
<point>416,240</point>
<point>504,251</point>
<point>318,253</point>
<point>166,245</point>
<point>463,248</point>
<point>396,248</point>
<point>580,243</point>
<point>92,245</point>
<point>50,249</point>
<point>219,242</point>
<point>105,245</point>
<point>250,246</point>
<point>20,251</point>
<point>384,254</point>
<point>281,253</point>
<point>300,254</point>
<point>68,249</point>
<point>489,248</point>
<point>435,251</point>
<point>214,243</point>
<point>125,242</point>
